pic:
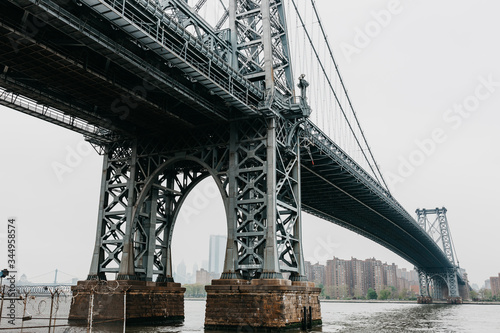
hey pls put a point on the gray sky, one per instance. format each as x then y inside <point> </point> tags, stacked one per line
<point>426,87</point>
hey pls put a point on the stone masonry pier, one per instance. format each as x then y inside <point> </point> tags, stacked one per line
<point>146,302</point>
<point>261,303</point>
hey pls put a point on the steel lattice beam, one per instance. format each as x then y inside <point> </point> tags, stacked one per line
<point>145,184</point>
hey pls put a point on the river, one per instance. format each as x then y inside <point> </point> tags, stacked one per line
<point>337,317</point>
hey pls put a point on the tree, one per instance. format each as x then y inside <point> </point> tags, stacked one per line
<point>473,295</point>
<point>357,293</point>
<point>486,294</point>
<point>371,294</point>
<point>195,290</point>
<point>394,292</point>
<point>403,294</point>
<point>323,291</point>
<point>384,294</point>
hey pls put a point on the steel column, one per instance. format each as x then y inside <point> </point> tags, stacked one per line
<point>127,268</point>
<point>271,269</point>
<point>423,283</point>
<point>98,256</point>
<point>231,256</point>
<point>268,46</point>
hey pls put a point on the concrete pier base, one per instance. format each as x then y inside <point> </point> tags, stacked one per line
<point>454,300</point>
<point>141,301</point>
<point>261,304</point>
<point>424,300</point>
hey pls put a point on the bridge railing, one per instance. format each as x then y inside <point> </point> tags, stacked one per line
<point>26,105</point>
<point>166,33</point>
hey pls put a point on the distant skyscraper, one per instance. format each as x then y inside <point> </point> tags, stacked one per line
<point>217,252</point>
<point>195,269</point>
<point>180,274</point>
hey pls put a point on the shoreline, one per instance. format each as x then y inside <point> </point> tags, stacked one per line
<point>197,299</point>
<point>398,301</point>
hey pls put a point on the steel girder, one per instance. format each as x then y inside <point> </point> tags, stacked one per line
<point>143,188</point>
<point>431,280</point>
<point>438,229</point>
<point>114,211</point>
<point>354,200</point>
<point>260,43</point>
<point>423,283</point>
<point>145,183</point>
<point>90,71</point>
<point>39,110</point>
<point>203,57</point>
<point>264,201</point>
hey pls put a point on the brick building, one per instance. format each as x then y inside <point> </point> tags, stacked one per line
<point>352,278</point>
<point>338,278</point>
<point>495,285</point>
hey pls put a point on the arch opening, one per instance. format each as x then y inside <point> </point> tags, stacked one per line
<point>180,190</point>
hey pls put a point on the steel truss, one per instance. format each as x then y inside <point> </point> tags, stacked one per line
<point>256,166</point>
<point>438,229</point>
<point>260,43</point>
<point>431,282</point>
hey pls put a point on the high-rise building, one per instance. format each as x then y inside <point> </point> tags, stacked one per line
<point>318,273</point>
<point>378,275</point>
<point>180,274</point>
<point>217,251</point>
<point>352,278</point>
<point>338,278</point>
<point>495,285</point>
<point>203,277</point>
<point>391,275</point>
<point>359,285</point>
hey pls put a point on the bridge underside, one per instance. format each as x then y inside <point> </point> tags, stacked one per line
<point>64,61</point>
<point>333,189</point>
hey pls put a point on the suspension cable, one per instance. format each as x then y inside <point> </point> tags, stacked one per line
<point>331,88</point>
<point>345,91</point>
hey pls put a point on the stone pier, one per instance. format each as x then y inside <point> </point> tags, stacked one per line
<point>261,303</point>
<point>454,300</point>
<point>424,300</point>
<point>146,302</point>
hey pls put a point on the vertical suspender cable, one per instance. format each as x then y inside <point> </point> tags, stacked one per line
<point>331,88</point>
<point>345,91</point>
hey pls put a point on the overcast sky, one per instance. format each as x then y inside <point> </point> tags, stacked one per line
<point>426,87</point>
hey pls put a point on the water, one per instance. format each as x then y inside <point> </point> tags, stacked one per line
<point>337,317</point>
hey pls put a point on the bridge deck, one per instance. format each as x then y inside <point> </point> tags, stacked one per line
<point>336,189</point>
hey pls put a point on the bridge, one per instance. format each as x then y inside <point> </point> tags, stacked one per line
<point>169,99</point>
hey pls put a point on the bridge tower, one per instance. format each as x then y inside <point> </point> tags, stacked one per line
<point>439,283</point>
<point>255,162</point>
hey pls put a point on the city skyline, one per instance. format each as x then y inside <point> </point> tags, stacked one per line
<point>345,278</point>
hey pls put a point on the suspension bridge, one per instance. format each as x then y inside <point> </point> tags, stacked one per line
<point>171,92</point>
